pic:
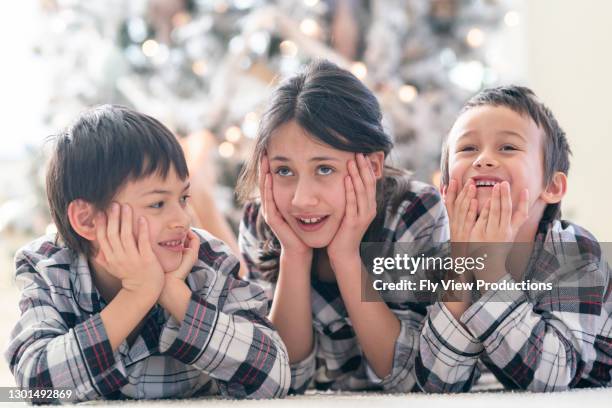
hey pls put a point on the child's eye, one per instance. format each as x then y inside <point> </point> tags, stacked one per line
<point>466,149</point>
<point>325,170</point>
<point>508,147</point>
<point>157,205</point>
<point>284,172</point>
<point>184,199</point>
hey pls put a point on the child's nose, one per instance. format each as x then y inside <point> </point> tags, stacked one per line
<point>180,218</point>
<point>305,195</point>
<point>485,160</point>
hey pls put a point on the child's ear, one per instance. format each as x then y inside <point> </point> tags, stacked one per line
<point>554,192</point>
<point>81,216</point>
<point>377,160</point>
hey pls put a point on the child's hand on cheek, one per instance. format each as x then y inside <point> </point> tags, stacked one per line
<point>360,191</point>
<point>121,255</point>
<point>190,256</point>
<point>461,209</point>
<point>290,243</point>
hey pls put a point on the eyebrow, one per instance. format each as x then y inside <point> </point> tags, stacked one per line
<point>166,192</point>
<point>501,132</point>
<point>512,133</point>
<point>312,159</point>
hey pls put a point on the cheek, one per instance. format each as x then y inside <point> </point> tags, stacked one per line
<point>283,194</point>
<point>337,195</point>
<point>456,170</point>
<point>526,177</point>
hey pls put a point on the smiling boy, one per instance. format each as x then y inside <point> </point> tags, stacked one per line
<point>504,171</point>
<point>128,300</point>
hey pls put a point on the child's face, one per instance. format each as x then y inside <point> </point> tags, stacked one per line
<point>163,203</point>
<point>493,144</point>
<point>307,179</point>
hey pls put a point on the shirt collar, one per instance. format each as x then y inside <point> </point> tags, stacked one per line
<point>85,293</point>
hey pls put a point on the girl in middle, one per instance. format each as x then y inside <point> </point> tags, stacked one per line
<point>324,189</point>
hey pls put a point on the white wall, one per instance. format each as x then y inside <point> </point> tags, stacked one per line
<point>569,65</point>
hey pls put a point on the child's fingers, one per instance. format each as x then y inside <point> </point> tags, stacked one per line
<point>193,240</point>
<point>370,183</point>
<point>273,216</point>
<point>100,229</point>
<point>483,218</point>
<point>450,196</point>
<point>506,205</point>
<point>371,170</point>
<point>270,206</point>
<point>112,229</point>
<point>190,253</point>
<point>470,218</point>
<point>494,213</point>
<point>144,245</point>
<point>463,205</point>
<point>367,173</point>
<point>461,193</point>
<point>522,211</point>
<point>459,208</point>
<point>358,186</point>
<point>190,256</point>
<point>127,234</point>
<point>351,198</point>
<point>101,235</point>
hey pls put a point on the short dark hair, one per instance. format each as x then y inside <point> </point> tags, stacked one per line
<point>104,148</point>
<point>523,101</point>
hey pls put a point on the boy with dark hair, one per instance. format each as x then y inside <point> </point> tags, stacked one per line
<point>504,173</point>
<point>128,300</point>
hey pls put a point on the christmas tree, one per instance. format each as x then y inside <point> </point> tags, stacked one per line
<point>206,68</point>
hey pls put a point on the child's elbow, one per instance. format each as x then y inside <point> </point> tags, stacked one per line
<point>560,374</point>
<point>278,380</point>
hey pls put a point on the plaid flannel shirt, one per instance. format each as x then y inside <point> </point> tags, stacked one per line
<point>337,361</point>
<point>225,344</point>
<point>557,341</point>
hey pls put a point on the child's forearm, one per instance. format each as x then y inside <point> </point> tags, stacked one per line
<point>458,301</point>
<point>376,326</point>
<point>121,316</point>
<point>448,353</point>
<point>175,298</point>
<point>225,334</point>
<point>456,308</point>
<point>291,311</point>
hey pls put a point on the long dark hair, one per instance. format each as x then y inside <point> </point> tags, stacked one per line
<point>334,107</point>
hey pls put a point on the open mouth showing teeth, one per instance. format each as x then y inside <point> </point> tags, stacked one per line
<point>310,221</point>
<point>174,243</point>
<point>486,183</point>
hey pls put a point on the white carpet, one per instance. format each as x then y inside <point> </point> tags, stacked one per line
<point>589,398</point>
